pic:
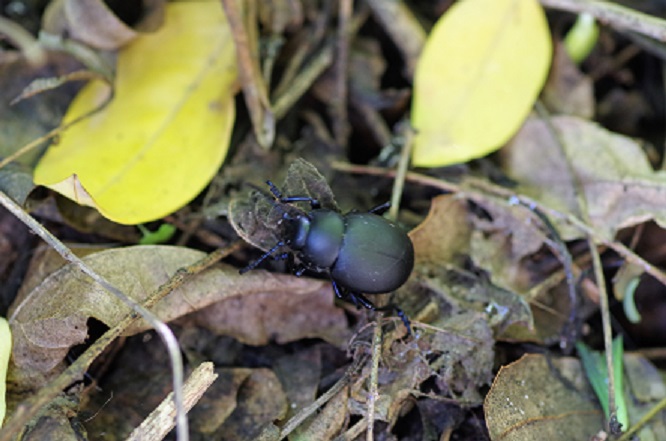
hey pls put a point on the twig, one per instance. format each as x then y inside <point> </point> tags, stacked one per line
<point>254,89</point>
<point>406,137</point>
<point>160,327</point>
<point>339,101</point>
<point>374,377</point>
<point>614,15</point>
<point>29,46</point>
<point>307,411</point>
<point>160,421</point>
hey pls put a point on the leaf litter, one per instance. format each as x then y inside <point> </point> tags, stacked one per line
<point>487,283</point>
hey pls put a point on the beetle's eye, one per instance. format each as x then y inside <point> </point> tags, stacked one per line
<point>299,233</point>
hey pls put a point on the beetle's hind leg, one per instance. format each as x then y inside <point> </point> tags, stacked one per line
<point>359,300</point>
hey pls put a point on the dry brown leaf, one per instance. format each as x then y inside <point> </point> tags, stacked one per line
<point>260,401</point>
<point>300,375</point>
<point>646,387</point>
<point>619,185</point>
<point>536,398</point>
<point>279,315</point>
<point>92,22</point>
<point>442,243</point>
<point>568,91</point>
<point>443,235</point>
<point>53,316</point>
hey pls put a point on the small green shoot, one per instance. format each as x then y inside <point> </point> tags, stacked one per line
<point>163,234</point>
<point>581,38</point>
<point>628,301</point>
<point>594,364</point>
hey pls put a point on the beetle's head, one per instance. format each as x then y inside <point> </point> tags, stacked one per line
<point>296,230</point>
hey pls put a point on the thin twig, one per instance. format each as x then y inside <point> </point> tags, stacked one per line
<point>596,263</point>
<point>406,138</point>
<point>249,72</point>
<point>339,101</point>
<point>160,421</point>
<point>614,15</point>
<point>373,393</point>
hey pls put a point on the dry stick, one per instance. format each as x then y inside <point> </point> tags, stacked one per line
<point>254,90</point>
<point>285,98</point>
<point>160,421</point>
<point>303,82</point>
<point>614,15</point>
<point>406,136</point>
<point>339,101</point>
<point>295,61</point>
<point>374,376</point>
<point>22,39</point>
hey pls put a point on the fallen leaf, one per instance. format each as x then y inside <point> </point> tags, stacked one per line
<point>568,91</point>
<point>93,23</point>
<point>5,352</point>
<point>480,71</point>
<point>619,186</point>
<point>54,315</point>
<point>164,135</point>
<point>260,401</point>
<point>442,243</point>
<point>537,398</point>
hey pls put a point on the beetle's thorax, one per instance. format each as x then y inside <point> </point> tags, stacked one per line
<point>318,238</point>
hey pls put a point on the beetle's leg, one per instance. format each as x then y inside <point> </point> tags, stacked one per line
<point>265,256</point>
<point>359,300</point>
<point>299,270</point>
<point>380,209</point>
<point>314,203</point>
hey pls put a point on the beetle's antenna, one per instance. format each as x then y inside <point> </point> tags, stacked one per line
<point>314,203</point>
<point>276,198</point>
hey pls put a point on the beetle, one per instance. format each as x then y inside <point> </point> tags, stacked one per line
<point>362,253</point>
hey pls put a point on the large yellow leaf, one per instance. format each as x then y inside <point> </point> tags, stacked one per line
<point>166,132</point>
<point>481,69</point>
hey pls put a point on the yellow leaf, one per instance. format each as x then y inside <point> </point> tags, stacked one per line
<point>5,352</point>
<point>166,132</point>
<point>480,71</point>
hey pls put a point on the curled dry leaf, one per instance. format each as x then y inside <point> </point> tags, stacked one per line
<point>258,221</point>
<point>535,398</point>
<point>92,22</point>
<point>53,316</point>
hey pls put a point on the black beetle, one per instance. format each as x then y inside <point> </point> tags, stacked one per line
<point>362,253</point>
